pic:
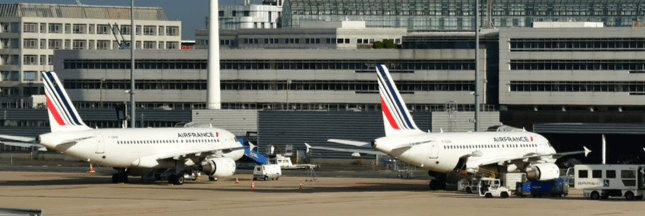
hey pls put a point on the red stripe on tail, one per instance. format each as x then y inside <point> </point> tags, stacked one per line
<point>52,109</point>
<point>388,115</point>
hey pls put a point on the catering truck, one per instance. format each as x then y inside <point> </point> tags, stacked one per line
<point>605,180</point>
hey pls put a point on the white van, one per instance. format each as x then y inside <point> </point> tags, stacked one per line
<point>267,171</point>
<point>603,181</point>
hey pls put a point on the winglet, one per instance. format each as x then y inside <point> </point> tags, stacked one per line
<point>586,150</point>
<point>308,147</point>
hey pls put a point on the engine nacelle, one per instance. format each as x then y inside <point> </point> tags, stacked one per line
<point>218,167</point>
<point>543,172</point>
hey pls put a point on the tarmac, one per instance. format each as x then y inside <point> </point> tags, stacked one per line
<point>66,190</point>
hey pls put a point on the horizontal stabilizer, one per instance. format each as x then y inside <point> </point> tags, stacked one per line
<point>18,138</point>
<point>350,142</point>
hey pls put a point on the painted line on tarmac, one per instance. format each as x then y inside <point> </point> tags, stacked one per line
<point>58,175</point>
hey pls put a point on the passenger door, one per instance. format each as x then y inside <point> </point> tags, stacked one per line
<point>434,149</point>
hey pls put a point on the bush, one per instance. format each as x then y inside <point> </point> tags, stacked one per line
<point>389,44</point>
<point>378,45</point>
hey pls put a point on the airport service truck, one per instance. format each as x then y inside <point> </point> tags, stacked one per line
<point>553,188</point>
<point>604,180</point>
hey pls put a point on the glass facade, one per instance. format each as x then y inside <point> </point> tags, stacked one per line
<point>458,14</point>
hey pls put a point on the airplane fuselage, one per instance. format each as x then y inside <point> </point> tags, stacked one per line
<point>441,152</point>
<point>140,148</point>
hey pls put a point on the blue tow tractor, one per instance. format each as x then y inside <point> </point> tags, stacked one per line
<point>553,188</point>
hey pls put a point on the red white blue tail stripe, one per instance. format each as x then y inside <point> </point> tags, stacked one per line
<point>396,116</point>
<point>60,107</point>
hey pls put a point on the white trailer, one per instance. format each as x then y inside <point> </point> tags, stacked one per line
<point>604,180</point>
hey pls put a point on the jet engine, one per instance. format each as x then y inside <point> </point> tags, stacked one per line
<point>543,172</point>
<point>218,167</point>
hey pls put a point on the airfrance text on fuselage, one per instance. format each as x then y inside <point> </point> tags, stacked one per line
<point>195,135</point>
<point>511,139</point>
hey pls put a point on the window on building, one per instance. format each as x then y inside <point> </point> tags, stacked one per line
<point>138,30</point>
<point>90,28</point>
<point>221,13</point>
<point>172,30</point>
<point>149,45</point>
<point>50,59</point>
<point>55,43</point>
<point>103,44</point>
<point>103,29</point>
<point>126,29</point>
<point>79,44</point>
<point>30,44</point>
<point>161,45</point>
<point>55,28</point>
<point>79,29</point>
<point>247,13</point>
<point>340,40</point>
<point>30,27</point>
<point>42,60</point>
<point>161,31</point>
<point>43,44</point>
<point>234,13</point>
<point>68,28</point>
<point>15,27</point>
<point>149,30</point>
<point>172,45</point>
<point>30,60</point>
<point>138,44</point>
<point>347,40</point>
<point>29,75</point>
<point>90,44</point>
<point>43,28</point>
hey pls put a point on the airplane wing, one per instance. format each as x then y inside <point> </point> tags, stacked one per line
<point>178,155</point>
<point>18,138</point>
<point>19,144</point>
<point>529,158</point>
<point>360,151</point>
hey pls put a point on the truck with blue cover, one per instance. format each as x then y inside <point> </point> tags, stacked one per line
<point>553,188</point>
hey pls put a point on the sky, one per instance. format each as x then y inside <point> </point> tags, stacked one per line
<point>192,13</point>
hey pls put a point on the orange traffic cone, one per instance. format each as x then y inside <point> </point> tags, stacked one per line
<point>300,185</point>
<point>252,185</point>
<point>236,181</point>
<point>91,169</point>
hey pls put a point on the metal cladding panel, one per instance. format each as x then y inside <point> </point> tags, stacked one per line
<point>237,122</point>
<point>315,128</point>
<point>586,128</point>
<point>24,131</point>
<point>462,121</point>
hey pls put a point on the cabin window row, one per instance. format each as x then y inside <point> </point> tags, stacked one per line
<point>166,141</point>
<point>490,146</point>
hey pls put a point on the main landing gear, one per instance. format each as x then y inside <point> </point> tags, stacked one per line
<point>121,176</point>
<point>439,181</point>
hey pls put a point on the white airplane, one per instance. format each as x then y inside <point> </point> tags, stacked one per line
<point>212,150</point>
<point>442,153</point>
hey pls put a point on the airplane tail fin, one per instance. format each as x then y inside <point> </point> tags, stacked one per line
<point>62,113</point>
<point>396,117</point>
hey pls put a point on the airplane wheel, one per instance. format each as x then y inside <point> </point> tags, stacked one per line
<point>115,178</point>
<point>171,179</point>
<point>629,195</point>
<point>179,179</point>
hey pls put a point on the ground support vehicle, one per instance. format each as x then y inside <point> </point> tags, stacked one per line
<point>553,188</point>
<point>491,187</point>
<point>267,171</point>
<point>604,180</point>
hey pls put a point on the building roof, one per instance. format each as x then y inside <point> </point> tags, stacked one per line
<point>79,11</point>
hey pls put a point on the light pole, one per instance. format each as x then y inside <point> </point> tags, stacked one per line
<point>477,65</point>
<point>133,30</point>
